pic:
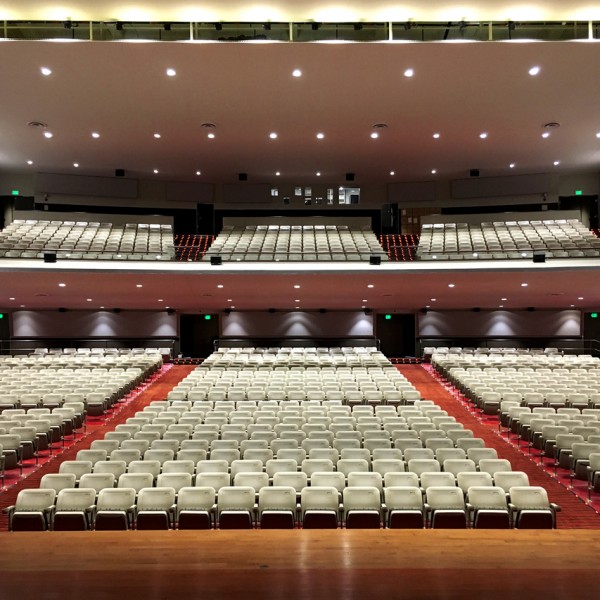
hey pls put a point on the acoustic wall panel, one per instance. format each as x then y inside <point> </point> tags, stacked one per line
<point>82,185</point>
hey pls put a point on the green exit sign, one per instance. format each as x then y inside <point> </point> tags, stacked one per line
<point>15,192</point>
<point>207,317</point>
<point>388,317</point>
<point>594,315</point>
<point>1,315</point>
<point>579,192</point>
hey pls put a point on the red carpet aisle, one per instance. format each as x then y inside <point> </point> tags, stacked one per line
<point>575,513</point>
<point>158,389</point>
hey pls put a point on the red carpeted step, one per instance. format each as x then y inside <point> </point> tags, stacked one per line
<point>162,383</point>
<point>575,514</point>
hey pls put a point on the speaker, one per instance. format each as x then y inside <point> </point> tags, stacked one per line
<point>539,256</point>
<point>271,310</point>
<point>49,257</point>
<point>119,172</point>
<point>530,308</point>
<point>477,309</point>
<point>474,172</point>
<point>322,311</point>
<point>375,260</point>
<point>349,176</point>
<point>62,310</point>
<point>216,260</point>
<point>243,176</point>
<point>116,310</point>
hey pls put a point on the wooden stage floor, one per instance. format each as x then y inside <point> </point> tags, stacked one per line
<point>311,565</point>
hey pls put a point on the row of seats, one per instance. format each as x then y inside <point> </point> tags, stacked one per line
<point>295,243</point>
<point>556,238</point>
<point>430,350</point>
<point>87,240</point>
<point>277,507</point>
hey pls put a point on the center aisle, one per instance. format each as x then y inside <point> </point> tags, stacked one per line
<point>155,391</point>
<point>575,514</point>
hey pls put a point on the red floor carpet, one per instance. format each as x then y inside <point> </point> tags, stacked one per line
<point>155,389</point>
<point>575,513</point>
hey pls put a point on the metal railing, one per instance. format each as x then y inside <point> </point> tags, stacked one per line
<point>310,31</point>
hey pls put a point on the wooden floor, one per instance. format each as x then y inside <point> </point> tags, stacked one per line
<point>311,565</point>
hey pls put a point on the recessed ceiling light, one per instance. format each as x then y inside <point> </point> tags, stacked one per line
<point>524,284</point>
<point>433,299</point>
<point>22,306</point>
<point>46,71</point>
<point>365,300</point>
<point>556,163</point>
<point>211,136</point>
<point>171,72</point>
<point>428,306</point>
<point>155,171</point>
<point>433,171</point>
<point>273,135</point>
<point>370,285</point>
<point>198,173</point>
<point>512,165</point>
<point>450,285</point>
<point>62,285</point>
<point>102,307</point>
<point>297,300</point>
<point>277,173</point>
<point>296,73</point>
<point>409,72</point>
<point>483,135</point>
<point>318,174</point>
<point>48,134</point>
<point>229,299</point>
<point>297,286</point>
<point>501,306</point>
<point>297,307</point>
<point>220,285</point>
<point>320,135</point>
<point>546,134</point>
<point>95,135</point>
<point>157,136</point>
<point>534,70</point>
<point>572,305</point>
<point>580,298</point>
<point>436,136</point>
<point>160,300</point>
<point>138,285</point>
<point>504,299</point>
<point>374,135</point>
<point>598,134</point>
<point>76,165</point>
<point>89,299</point>
<point>29,162</point>
<point>392,172</point>
<point>233,307</point>
<point>11,298</point>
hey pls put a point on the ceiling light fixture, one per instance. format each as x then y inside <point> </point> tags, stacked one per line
<point>46,71</point>
<point>392,172</point>
<point>556,163</point>
<point>296,73</point>
<point>436,136</point>
<point>483,135</point>
<point>598,134</point>
<point>433,171</point>
<point>297,286</point>
<point>171,72</point>
<point>62,285</point>
<point>511,166</point>
<point>374,135</point>
<point>534,71</point>
<point>95,135</point>
<point>546,134</point>
<point>76,165</point>
<point>157,136</point>
<point>48,134</point>
<point>409,72</point>
<point>160,300</point>
<point>580,298</point>
<point>198,173</point>
<point>320,136</point>
<point>451,285</point>
<point>524,284</point>
<point>138,285</point>
<point>29,162</point>
<point>277,173</point>
<point>273,135</point>
<point>370,285</point>
<point>211,136</point>
<point>219,285</point>
<point>318,173</point>
<point>155,171</point>
<point>504,299</point>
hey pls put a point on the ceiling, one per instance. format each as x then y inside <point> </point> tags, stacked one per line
<point>247,90</point>
<point>396,287</point>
